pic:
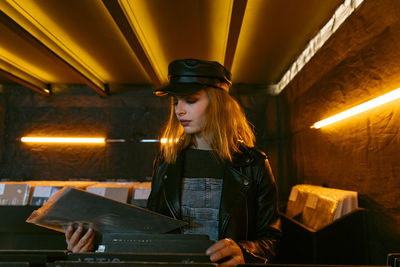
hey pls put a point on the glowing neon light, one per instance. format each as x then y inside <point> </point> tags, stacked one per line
<point>383,99</point>
<point>149,141</point>
<point>63,140</point>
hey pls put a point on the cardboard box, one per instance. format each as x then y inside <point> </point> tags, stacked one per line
<point>14,193</point>
<point>319,210</point>
<point>296,202</point>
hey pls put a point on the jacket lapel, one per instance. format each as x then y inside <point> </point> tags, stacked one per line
<point>234,189</point>
<point>173,185</point>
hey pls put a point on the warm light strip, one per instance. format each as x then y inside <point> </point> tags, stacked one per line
<point>340,15</point>
<point>383,99</point>
<point>62,140</point>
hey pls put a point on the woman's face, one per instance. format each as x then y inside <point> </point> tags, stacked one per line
<point>191,111</point>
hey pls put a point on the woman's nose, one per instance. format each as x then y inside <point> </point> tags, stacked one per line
<point>180,109</point>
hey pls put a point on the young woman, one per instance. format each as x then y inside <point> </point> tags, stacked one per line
<point>209,173</point>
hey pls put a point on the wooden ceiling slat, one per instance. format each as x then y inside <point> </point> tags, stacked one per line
<point>123,24</point>
<point>26,36</point>
<point>25,83</point>
<point>238,9</point>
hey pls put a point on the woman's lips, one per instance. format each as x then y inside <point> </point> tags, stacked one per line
<point>185,122</point>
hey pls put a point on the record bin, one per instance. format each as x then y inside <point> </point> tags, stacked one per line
<point>342,242</point>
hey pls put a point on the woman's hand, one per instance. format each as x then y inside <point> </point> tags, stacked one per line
<point>226,248</point>
<point>78,243</point>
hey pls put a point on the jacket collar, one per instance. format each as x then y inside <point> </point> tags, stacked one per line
<point>242,158</point>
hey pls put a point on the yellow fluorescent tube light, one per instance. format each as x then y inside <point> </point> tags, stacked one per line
<point>383,99</point>
<point>63,140</point>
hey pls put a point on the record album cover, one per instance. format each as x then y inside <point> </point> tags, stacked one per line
<point>105,215</point>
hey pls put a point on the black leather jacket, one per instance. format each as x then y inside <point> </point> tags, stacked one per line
<point>248,211</point>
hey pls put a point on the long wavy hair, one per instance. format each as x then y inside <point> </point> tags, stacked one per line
<point>226,128</point>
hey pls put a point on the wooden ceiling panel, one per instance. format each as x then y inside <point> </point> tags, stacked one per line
<point>87,31</point>
<point>24,54</point>
<point>132,41</point>
<point>180,29</point>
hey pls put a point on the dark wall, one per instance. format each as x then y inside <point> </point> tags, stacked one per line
<point>130,112</point>
<point>270,116</point>
<point>1,123</point>
<point>361,62</point>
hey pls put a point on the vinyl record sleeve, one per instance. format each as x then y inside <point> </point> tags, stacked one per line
<point>105,215</point>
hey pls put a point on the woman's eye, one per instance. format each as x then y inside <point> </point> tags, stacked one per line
<point>191,101</point>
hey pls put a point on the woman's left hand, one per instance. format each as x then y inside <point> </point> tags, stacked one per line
<point>226,248</point>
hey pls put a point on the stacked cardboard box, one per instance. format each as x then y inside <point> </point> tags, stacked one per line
<point>318,206</point>
<point>14,193</point>
<point>43,190</point>
<point>36,193</point>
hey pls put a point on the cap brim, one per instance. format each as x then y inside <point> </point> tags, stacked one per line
<point>181,89</point>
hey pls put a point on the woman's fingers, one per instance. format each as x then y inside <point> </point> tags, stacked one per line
<point>84,242</point>
<point>69,232</point>
<point>226,248</point>
<point>78,243</point>
<point>224,252</point>
<point>216,246</point>
<point>74,238</point>
<point>71,237</point>
<point>87,247</point>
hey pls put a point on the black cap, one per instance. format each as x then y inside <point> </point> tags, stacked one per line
<point>187,76</point>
